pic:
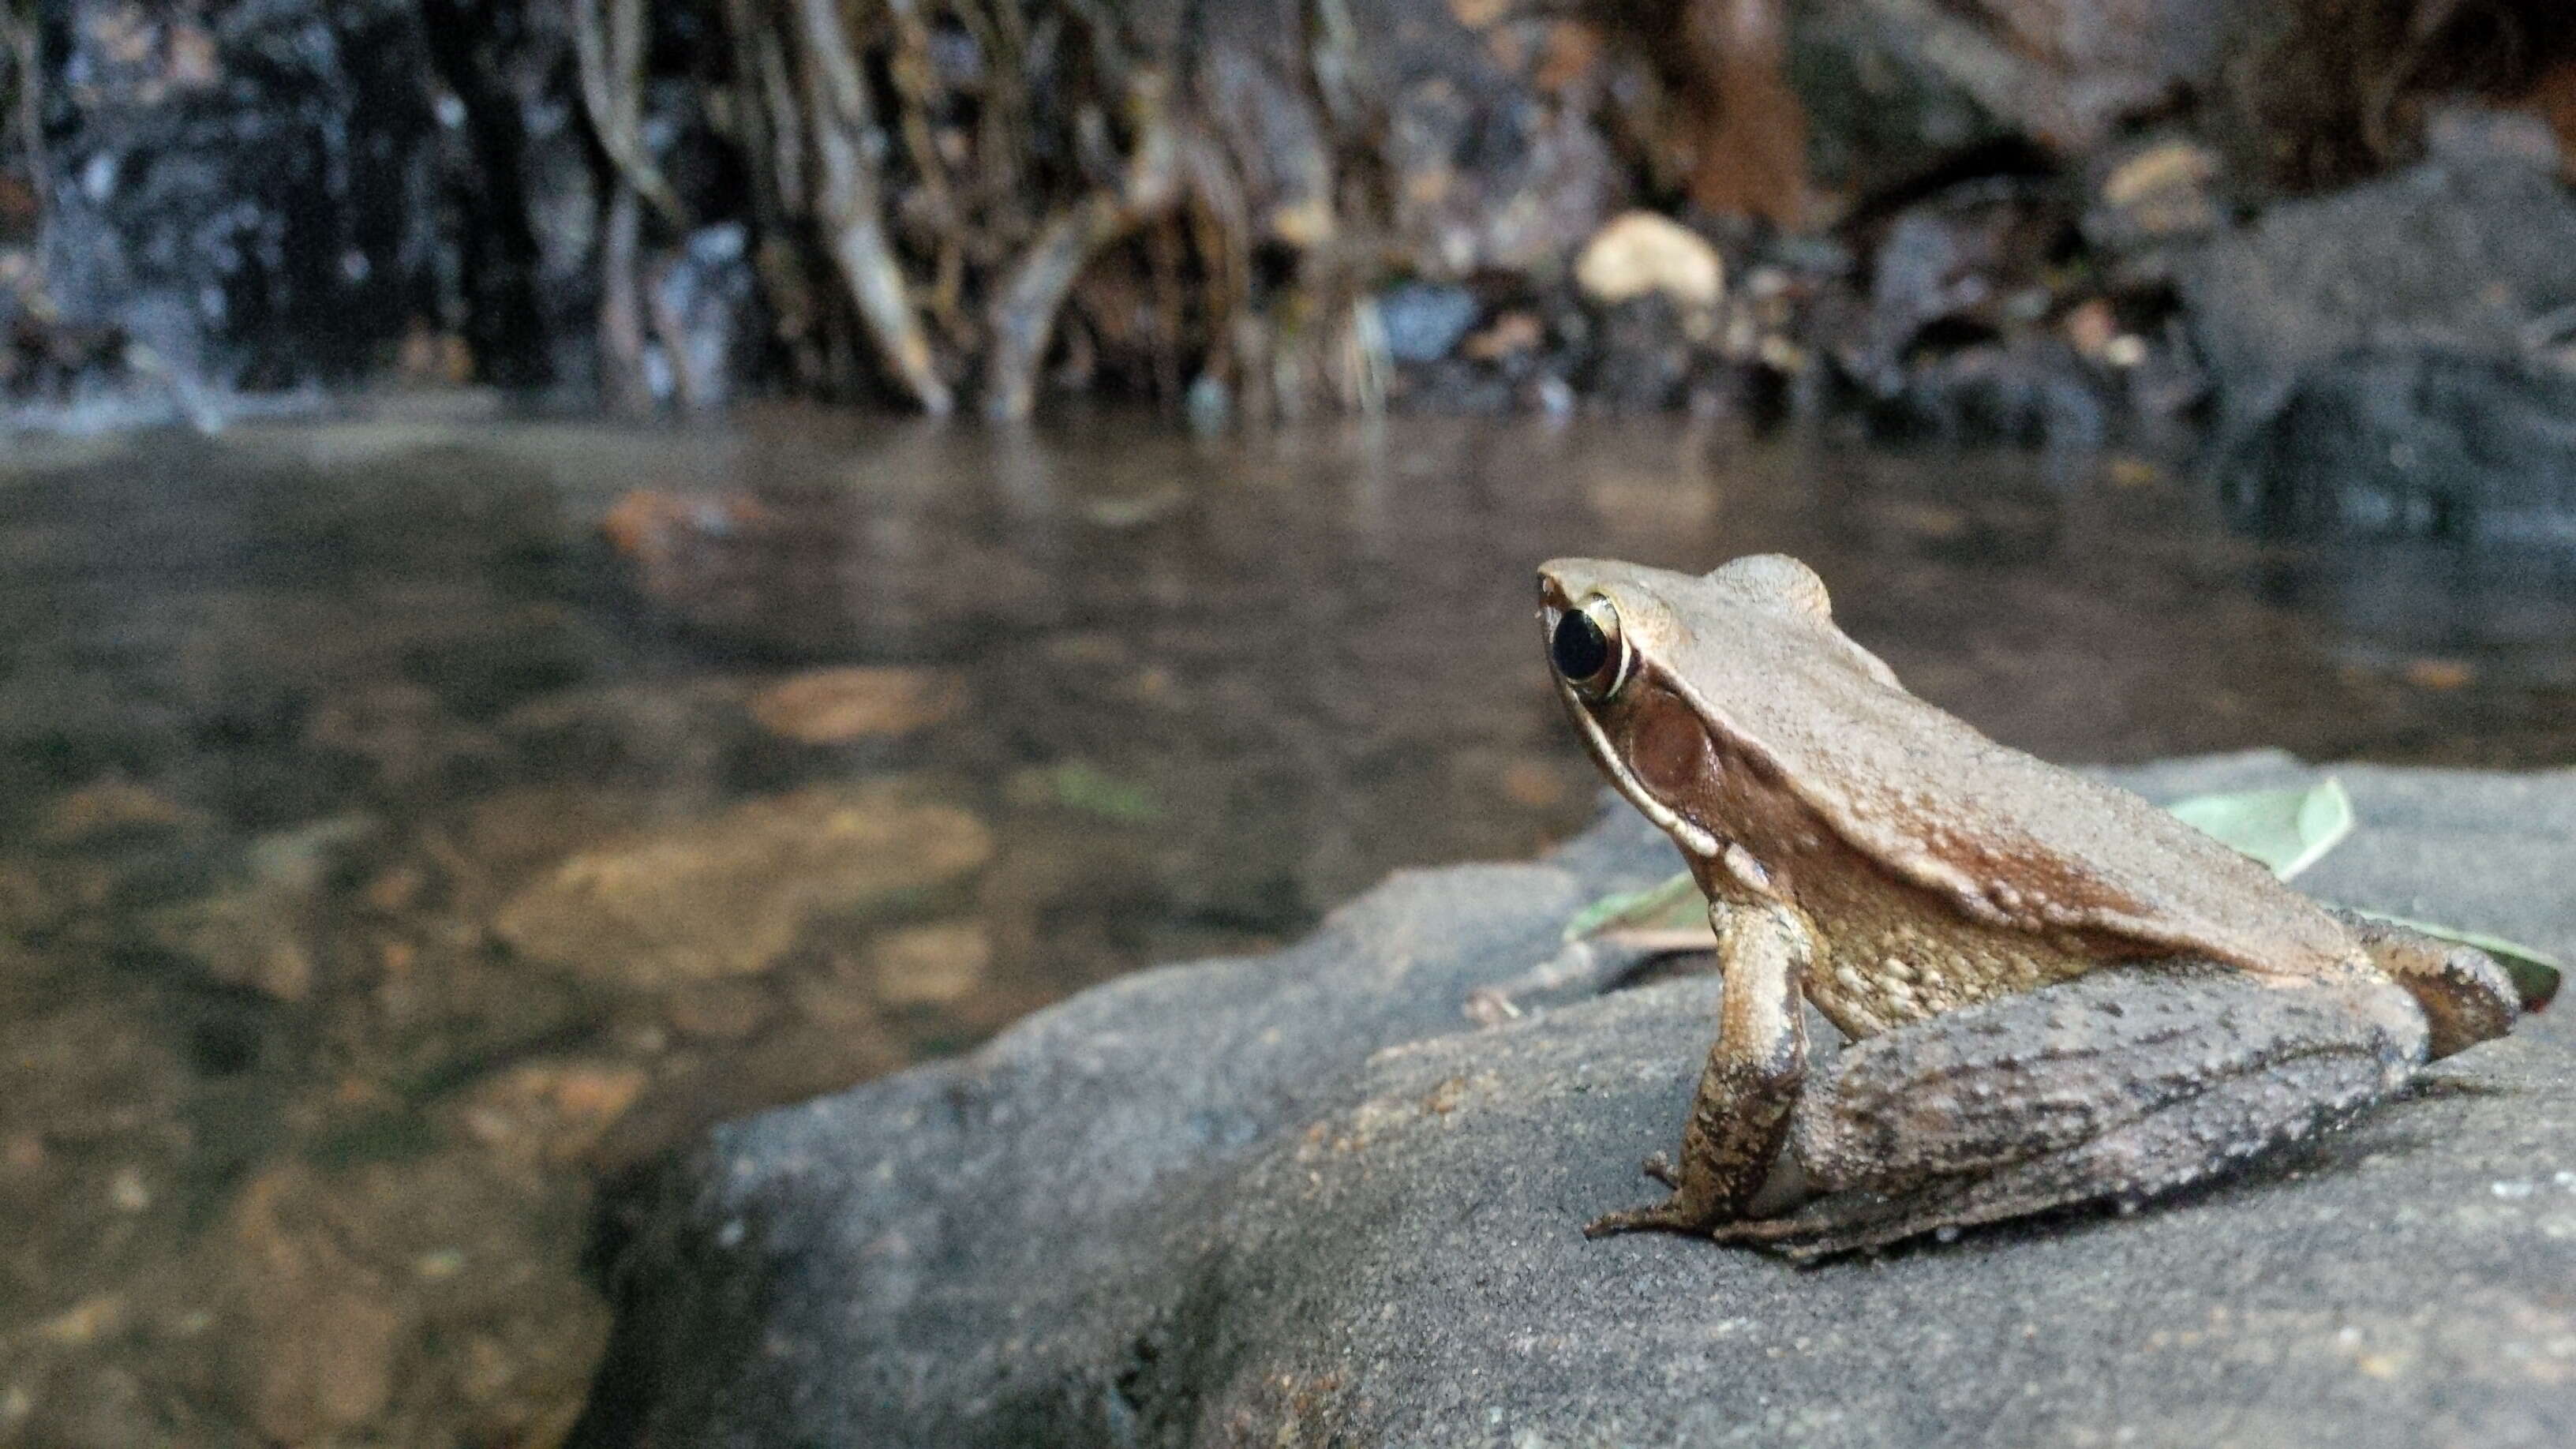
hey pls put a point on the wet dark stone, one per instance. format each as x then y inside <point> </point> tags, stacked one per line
<point>1045,1242</point>
<point>1898,89</point>
<point>2032,393</point>
<point>2425,445</point>
<point>1959,338</point>
<point>1641,357</point>
<point>270,196</point>
<point>231,187</point>
<point>1879,111</point>
<point>1964,266</point>
<point>2400,358</point>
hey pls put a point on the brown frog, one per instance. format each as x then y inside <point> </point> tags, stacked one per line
<point>2055,992</point>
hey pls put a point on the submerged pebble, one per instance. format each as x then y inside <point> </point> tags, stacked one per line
<point>725,895</point>
<point>835,706</point>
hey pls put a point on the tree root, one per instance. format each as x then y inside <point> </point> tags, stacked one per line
<point>611,60</point>
<point>850,197</point>
<point>1024,310</point>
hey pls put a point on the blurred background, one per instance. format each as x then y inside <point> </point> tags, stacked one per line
<point>571,568</point>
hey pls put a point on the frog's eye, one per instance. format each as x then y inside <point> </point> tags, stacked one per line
<point>1587,650</point>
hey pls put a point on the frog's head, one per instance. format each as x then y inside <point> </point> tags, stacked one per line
<point>1643,656</point>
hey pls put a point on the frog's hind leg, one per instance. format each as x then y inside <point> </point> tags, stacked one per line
<point>2465,996</point>
<point>2199,1138</point>
<point>2123,1085</point>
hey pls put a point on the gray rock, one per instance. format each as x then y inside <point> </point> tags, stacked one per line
<point>2401,356</point>
<point>1297,1199</point>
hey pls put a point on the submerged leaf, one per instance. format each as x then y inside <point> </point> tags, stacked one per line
<point>2287,830</point>
<point>1080,785</point>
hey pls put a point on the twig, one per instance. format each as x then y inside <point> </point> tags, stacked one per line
<point>847,142</point>
<point>786,127</point>
<point>621,315</point>
<point>744,34</point>
<point>1002,35</point>
<point>29,122</point>
<point>612,91</point>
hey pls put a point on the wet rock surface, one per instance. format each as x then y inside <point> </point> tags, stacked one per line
<point>1296,1197</point>
<point>210,200</point>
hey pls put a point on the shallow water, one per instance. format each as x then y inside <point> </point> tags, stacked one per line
<point>404,823</point>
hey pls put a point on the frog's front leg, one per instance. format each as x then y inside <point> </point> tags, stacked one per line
<point>1751,1081</point>
<point>2122,1084</point>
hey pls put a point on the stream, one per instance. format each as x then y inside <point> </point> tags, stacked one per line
<point>408,821</point>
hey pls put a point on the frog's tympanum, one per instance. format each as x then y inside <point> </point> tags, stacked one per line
<point>2055,992</point>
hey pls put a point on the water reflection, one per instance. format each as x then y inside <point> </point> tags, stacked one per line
<point>403,823</point>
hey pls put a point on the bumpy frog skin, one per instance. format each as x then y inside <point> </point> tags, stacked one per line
<point>2055,992</point>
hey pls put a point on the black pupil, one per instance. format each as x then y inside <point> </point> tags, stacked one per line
<point>1581,649</point>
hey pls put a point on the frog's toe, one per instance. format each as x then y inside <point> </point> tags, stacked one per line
<point>1669,1217</point>
<point>1661,1169</point>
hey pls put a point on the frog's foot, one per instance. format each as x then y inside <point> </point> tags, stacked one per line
<point>1672,1216</point>
<point>2465,996</point>
<point>1680,1213</point>
<point>1791,1236</point>
<point>1855,1222</point>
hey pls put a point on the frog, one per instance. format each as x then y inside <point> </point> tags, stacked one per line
<point>2050,991</point>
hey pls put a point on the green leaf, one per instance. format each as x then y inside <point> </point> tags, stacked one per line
<point>1656,905</point>
<point>1080,785</point>
<point>2287,830</point>
<point>2535,973</point>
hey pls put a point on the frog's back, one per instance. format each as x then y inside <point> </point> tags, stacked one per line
<point>2008,840</point>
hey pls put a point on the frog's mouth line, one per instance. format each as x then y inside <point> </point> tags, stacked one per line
<point>1688,834</point>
